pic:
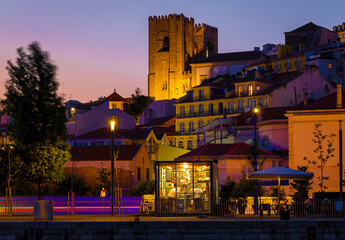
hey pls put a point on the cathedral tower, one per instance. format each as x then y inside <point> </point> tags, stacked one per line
<point>175,42</point>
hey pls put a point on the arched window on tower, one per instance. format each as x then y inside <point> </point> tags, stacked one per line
<point>209,49</point>
<point>195,49</point>
<point>165,44</point>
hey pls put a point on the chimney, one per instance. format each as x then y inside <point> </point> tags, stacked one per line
<point>339,96</point>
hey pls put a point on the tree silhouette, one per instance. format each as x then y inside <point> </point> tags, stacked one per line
<point>324,150</point>
<point>37,116</point>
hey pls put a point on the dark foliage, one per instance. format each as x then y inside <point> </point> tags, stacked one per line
<point>37,117</point>
<point>80,188</point>
<point>145,187</point>
<point>138,104</point>
<point>302,186</point>
<point>228,190</point>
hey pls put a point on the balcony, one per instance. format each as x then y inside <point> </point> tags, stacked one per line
<point>244,94</point>
<point>207,113</point>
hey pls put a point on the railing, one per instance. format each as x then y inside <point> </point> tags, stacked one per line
<point>209,113</point>
<point>133,209</point>
<point>244,94</point>
<point>83,208</point>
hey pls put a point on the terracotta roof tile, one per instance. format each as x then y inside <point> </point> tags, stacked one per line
<point>104,133</point>
<point>134,133</point>
<point>94,153</point>
<point>114,97</point>
<point>160,121</point>
<point>227,150</point>
<point>88,106</point>
<point>101,133</point>
<point>266,114</point>
<point>326,102</point>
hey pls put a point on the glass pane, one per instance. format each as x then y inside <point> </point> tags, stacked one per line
<point>202,187</point>
<point>184,187</point>
<point>166,181</point>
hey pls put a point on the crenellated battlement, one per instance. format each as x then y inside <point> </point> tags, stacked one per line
<point>168,17</point>
<point>187,72</point>
<point>204,26</point>
<point>171,17</point>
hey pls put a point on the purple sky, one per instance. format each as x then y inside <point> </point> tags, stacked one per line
<point>98,45</point>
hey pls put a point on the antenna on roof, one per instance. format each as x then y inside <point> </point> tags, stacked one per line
<point>114,89</point>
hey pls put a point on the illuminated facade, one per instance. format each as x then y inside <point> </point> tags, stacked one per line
<point>175,42</point>
<point>327,111</point>
<point>231,97</point>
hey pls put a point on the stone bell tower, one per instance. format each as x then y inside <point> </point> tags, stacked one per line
<point>175,42</point>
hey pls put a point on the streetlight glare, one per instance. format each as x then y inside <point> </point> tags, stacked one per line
<point>256,110</point>
<point>112,125</point>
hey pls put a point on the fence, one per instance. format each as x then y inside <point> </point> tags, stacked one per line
<point>133,208</point>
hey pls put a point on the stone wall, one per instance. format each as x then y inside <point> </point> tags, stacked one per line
<point>169,71</point>
<point>169,230</point>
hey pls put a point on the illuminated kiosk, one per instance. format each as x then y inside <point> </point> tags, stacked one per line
<point>185,187</point>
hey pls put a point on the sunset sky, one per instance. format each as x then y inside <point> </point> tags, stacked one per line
<point>101,44</point>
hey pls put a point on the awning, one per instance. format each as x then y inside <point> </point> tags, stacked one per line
<point>279,172</point>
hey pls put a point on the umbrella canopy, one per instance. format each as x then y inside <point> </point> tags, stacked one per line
<point>279,173</point>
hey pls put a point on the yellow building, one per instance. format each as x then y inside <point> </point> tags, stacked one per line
<point>285,61</point>
<point>329,112</point>
<point>219,98</point>
<point>340,30</point>
<point>208,101</point>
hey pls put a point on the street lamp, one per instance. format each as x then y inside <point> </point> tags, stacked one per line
<point>256,110</point>
<point>112,129</point>
<point>341,162</point>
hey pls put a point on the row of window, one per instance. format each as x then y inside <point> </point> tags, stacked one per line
<point>189,144</point>
<point>250,90</point>
<point>191,126</point>
<point>250,104</point>
<point>287,64</point>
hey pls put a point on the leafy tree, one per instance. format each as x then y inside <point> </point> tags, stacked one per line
<point>138,104</point>
<point>38,116</point>
<point>105,179</point>
<point>4,169</point>
<point>228,190</point>
<point>145,187</point>
<point>251,159</point>
<point>246,187</point>
<point>324,150</point>
<point>302,186</point>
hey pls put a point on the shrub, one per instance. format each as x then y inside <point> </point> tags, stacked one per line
<point>228,190</point>
<point>145,187</point>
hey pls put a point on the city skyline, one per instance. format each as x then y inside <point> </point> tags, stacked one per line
<point>101,46</point>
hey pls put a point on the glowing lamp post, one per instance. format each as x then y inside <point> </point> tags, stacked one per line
<point>256,110</point>
<point>112,128</point>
